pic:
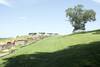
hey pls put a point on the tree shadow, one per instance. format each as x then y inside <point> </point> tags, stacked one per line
<point>81,55</point>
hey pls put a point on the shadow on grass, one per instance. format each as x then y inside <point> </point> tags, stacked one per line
<point>81,55</point>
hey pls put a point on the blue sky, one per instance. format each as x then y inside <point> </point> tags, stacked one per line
<point>19,17</point>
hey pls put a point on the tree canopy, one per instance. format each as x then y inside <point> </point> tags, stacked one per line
<point>79,16</point>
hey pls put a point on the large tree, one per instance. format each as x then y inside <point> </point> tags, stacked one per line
<point>78,16</point>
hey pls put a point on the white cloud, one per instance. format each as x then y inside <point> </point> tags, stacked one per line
<point>98,1</point>
<point>5,2</point>
<point>22,18</point>
<point>9,3</point>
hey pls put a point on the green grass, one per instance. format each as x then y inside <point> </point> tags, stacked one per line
<point>75,50</point>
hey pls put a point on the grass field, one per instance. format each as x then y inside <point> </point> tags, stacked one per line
<point>75,50</point>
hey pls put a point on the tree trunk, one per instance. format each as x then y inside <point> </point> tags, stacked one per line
<point>80,26</point>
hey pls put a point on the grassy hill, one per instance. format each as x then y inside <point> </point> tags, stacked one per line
<point>75,50</point>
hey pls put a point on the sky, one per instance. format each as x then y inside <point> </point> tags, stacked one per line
<point>19,17</point>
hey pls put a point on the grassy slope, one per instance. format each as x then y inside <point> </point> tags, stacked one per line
<point>52,49</point>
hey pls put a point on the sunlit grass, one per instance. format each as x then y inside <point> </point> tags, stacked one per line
<point>56,43</point>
